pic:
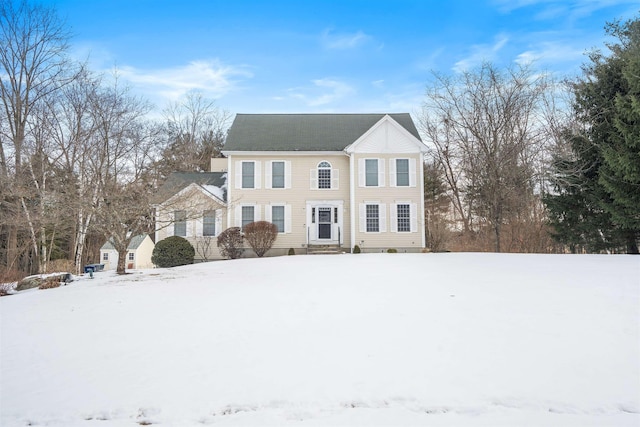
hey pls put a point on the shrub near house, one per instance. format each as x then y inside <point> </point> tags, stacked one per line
<point>260,235</point>
<point>172,252</point>
<point>230,243</point>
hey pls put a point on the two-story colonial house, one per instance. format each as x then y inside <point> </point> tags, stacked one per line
<point>330,180</point>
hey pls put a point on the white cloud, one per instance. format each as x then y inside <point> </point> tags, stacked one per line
<point>481,53</point>
<point>211,77</point>
<point>342,41</point>
<point>323,92</point>
<point>554,9</point>
<point>551,52</point>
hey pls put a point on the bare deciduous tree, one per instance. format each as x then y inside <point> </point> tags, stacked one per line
<point>122,148</point>
<point>485,130</point>
<point>196,130</point>
<point>33,66</point>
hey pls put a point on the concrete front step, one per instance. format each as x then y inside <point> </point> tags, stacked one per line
<point>324,249</point>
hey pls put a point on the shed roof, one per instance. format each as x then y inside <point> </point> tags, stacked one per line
<point>134,244</point>
<point>304,132</point>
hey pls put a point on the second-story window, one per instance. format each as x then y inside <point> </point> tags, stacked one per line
<point>324,175</point>
<point>371,172</point>
<point>248,174</point>
<point>277,175</point>
<point>402,172</point>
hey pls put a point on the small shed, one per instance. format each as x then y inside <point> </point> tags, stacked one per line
<point>138,254</point>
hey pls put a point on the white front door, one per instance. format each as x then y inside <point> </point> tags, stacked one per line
<point>324,222</point>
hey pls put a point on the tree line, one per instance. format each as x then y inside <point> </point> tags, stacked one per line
<point>79,156</point>
<point>518,161</point>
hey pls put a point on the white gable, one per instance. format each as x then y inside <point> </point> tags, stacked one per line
<point>387,136</point>
<point>212,192</point>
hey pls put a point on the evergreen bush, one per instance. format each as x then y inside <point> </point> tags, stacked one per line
<point>356,249</point>
<point>291,251</point>
<point>392,251</point>
<point>173,251</point>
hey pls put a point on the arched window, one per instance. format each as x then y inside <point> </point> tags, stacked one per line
<point>324,174</point>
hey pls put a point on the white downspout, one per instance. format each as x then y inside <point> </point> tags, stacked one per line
<point>352,199</point>
<point>421,213</point>
<point>229,186</point>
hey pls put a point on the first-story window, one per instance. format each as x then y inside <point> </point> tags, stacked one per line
<point>131,256</point>
<point>209,223</point>
<point>277,217</point>
<point>248,213</point>
<point>180,223</point>
<point>105,256</point>
<point>373,218</point>
<point>404,217</point>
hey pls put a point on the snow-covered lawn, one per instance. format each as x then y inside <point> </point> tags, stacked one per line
<point>376,339</point>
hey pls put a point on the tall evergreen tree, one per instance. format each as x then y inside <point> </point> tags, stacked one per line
<point>597,197</point>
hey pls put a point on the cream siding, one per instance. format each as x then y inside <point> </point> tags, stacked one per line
<point>194,200</point>
<point>388,195</point>
<point>295,196</point>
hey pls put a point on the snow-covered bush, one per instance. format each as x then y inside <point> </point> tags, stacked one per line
<point>173,251</point>
<point>230,243</point>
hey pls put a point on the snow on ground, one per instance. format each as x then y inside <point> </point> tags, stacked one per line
<point>369,339</point>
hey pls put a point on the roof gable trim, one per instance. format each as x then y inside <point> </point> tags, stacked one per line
<point>352,148</point>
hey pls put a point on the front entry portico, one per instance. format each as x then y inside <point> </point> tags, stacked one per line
<point>325,222</point>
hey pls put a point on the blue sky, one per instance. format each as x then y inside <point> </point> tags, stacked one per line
<point>326,56</point>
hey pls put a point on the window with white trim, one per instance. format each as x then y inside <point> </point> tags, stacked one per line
<point>248,174</point>
<point>402,172</point>
<point>277,175</point>
<point>180,223</point>
<point>372,218</point>
<point>403,212</point>
<point>324,175</point>
<point>105,256</point>
<point>277,217</point>
<point>371,172</point>
<point>131,256</point>
<point>248,215</point>
<point>209,223</point>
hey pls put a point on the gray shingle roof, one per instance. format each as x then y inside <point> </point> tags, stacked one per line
<point>179,180</point>
<point>134,244</point>
<point>304,132</point>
